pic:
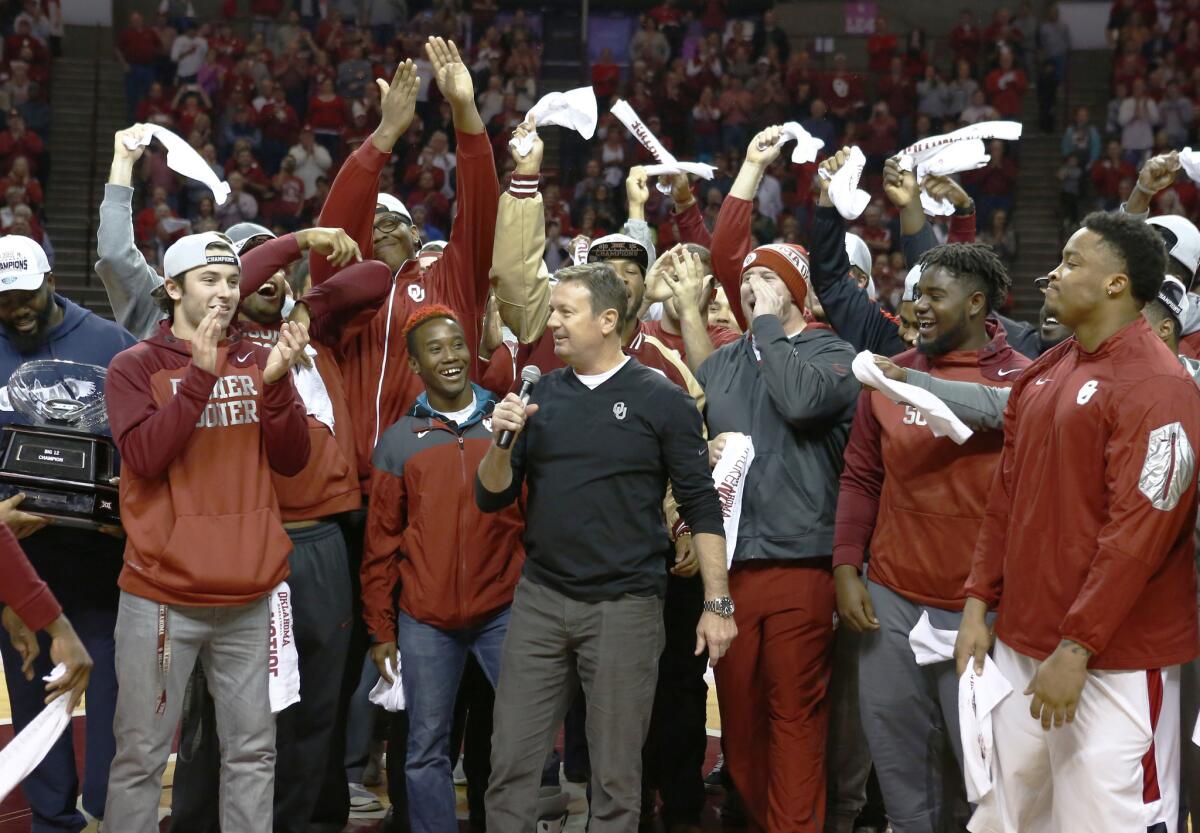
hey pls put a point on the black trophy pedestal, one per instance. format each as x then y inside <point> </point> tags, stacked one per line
<point>66,475</point>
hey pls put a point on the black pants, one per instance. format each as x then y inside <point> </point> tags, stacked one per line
<point>320,587</point>
<point>673,757</point>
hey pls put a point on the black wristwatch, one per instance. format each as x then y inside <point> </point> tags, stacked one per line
<point>722,606</point>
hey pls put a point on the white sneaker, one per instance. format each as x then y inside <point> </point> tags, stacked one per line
<point>460,776</point>
<point>363,800</point>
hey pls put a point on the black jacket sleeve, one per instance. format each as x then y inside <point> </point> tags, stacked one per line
<point>915,245</point>
<point>808,392</point>
<point>686,456</point>
<point>855,317</point>
<point>1022,336</point>
<point>495,501</point>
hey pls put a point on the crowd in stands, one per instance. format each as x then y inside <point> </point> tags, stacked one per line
<point>278,111</point>
<point>1152,110</point>
<point>32,33</point>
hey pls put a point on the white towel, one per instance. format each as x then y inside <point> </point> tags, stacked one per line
<point>184,160</point>
<point>1189,160</point>
<point>978,696</point>
<point>25,751</point>
<point>667,163</point>
<point>729,476</point>
<point>807,145</point>
<point>312,390</point>
<point>847,197</point>
<point>391,697</point>
<point>952,153</point>
<point>941,420</point>
<point>283,665</point>
<point>575,109</point>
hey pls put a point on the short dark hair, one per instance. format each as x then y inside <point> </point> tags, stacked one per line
<point>973,262</point>
<point>704,254</point>
<point>1139,247</point>
<point>607,290</point>
<point>1156,312</point>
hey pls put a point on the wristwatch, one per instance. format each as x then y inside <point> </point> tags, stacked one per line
<point>722,606</point>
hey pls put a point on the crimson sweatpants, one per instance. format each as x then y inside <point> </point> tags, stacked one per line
<point>772,689</point>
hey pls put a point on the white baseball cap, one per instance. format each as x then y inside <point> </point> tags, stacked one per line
<point>1174,296</point>
<point>390,203</point>
<point>190,252</point>
<point>910,284</point>
<point>23,263</point>
<point>1182,239</point>
<point>859,253</point>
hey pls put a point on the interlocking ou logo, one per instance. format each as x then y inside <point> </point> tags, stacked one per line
<point>619,410</point>
<point>487,424</point>
<point>1087,392</point>
<point>416,292</point>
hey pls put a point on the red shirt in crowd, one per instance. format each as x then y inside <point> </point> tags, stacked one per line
<point>138,46</point>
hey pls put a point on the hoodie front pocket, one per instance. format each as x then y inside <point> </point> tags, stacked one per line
<point>225,555</point>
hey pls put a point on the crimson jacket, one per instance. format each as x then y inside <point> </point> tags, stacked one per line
<point>917,499</point>
<point>456,565</point>
<point>197,452</point>
<point>379,384</point>
<point>1088,531</point>
<point>22,589</point>
<point>328,485</point>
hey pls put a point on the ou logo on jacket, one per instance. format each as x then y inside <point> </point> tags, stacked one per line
<point>416,292</point>
<point>619,410</point>
<point>1087,391</point>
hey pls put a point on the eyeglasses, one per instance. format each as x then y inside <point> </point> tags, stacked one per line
<point>387,223</point>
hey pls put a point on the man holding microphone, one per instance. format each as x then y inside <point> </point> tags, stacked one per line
<point>607,437</point>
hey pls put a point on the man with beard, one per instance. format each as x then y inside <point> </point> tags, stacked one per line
<point>1090,564</point>
<point>79,566</point>
<point>900,485</point>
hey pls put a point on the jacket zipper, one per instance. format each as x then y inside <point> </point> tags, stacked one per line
<point>462,559</point>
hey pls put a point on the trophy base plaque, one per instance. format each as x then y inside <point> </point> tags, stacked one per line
<point>66,475</point>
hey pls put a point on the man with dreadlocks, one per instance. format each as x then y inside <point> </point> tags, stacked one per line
<point>902,485</point>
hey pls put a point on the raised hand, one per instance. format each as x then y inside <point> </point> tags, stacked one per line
<point>681,189</point>
<point>135,134</point>
<point>205,340</point>
<point>1159,171</point>
<point>636,188</point>
<point>511,414</point>
<point>397,103</point>
<point>338,247</point>
<point>452,76</point>
<point>766,300</point>
<point>764,148</point>
<point>493,335</point>
<point>687,280</point>
<point>287,352</point>
<point>899,185</point>
<point>530,164</point>
<point>943,187</point>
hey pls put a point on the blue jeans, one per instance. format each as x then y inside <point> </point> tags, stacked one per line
<point>432,666</point>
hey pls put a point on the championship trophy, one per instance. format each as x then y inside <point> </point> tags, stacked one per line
<point>61,459</point>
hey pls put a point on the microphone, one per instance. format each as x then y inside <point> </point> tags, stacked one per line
<point>529,377</point>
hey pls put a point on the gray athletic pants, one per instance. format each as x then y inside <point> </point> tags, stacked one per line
<point>232,642</point>
<point>553,644</point>
<point>910,716</point>
<point>847,758</point>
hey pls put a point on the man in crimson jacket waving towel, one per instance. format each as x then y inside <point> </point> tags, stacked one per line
<point>201,417</point>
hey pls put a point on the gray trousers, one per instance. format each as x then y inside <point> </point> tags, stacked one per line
<point>553,644</point>
<point>847,757</point>
<point>910,716</point>
<point>233,644</point>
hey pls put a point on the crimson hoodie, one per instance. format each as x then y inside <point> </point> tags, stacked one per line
<point>1088,530</point>
<point>379,384</point>
<point>328,485</point>
<point>917,499</point>
<point>197,452</point>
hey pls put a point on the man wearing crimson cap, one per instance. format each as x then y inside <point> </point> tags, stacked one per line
<point>788,385</point>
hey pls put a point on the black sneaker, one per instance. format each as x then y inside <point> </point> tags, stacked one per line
<point>713,783</point>
<point>733,811</point>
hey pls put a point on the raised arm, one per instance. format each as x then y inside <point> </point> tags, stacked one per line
<point>351,201</point>
<point>731,237</point>
<point>127,277</point>
<point>520,281</point>
<point>687,213</point>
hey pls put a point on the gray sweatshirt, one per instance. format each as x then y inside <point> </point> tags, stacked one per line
<point>128,278</point>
